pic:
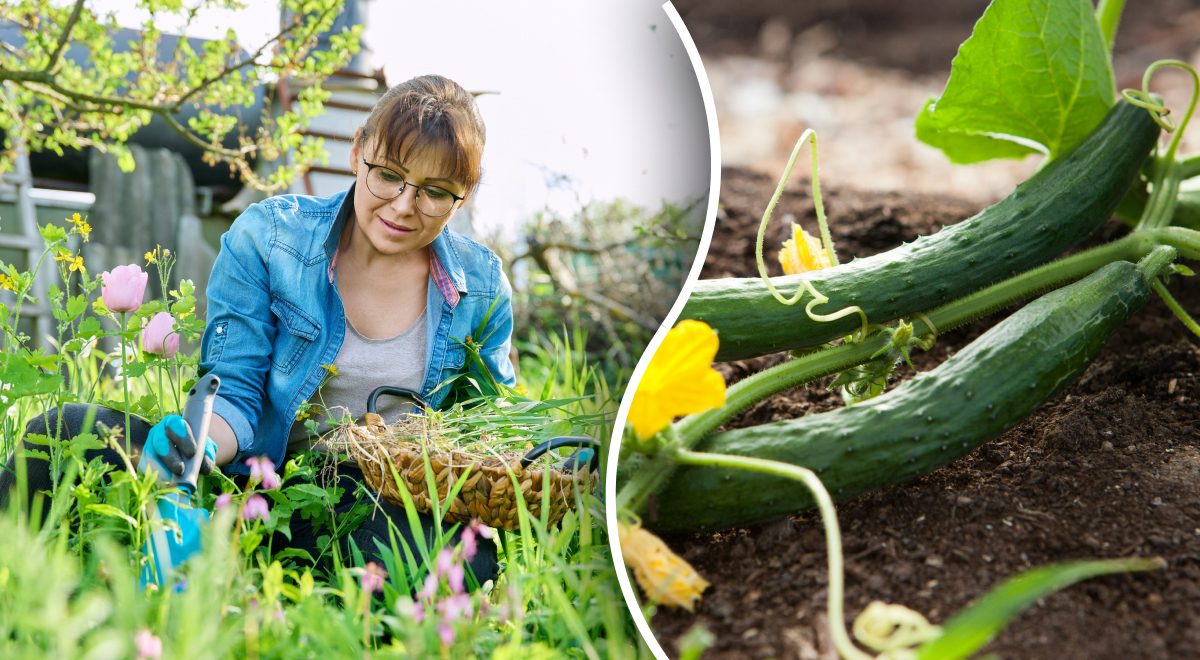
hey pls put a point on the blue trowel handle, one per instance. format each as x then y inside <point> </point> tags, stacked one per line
<point>197,412</point>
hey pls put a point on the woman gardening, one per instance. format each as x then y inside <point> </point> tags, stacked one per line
<point>369,280</point>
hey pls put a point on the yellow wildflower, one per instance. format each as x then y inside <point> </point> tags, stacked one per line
<point>332,369</point>
<point>84,227</point>
<point>663,575</point>
<point>150,257</point>
<point>7,282</point>
<point>802,253</point>
<point>680,379</point>
<point>75,262</point>
<point>302,414</point>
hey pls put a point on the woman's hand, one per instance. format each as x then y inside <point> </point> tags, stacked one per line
<point>171,441</point>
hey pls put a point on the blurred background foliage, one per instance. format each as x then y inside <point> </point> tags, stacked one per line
<point>606,276</point>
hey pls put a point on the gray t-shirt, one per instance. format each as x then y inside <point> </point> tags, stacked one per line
<point>364,364</point>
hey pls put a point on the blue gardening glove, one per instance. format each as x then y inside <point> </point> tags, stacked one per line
<point>171,441</point>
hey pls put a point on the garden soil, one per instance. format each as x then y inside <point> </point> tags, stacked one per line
<point>1110,468</point>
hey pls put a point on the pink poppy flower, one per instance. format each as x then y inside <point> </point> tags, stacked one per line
<point>256,508</point>
<point>446,633</point>
<point>159,336</point>
<point>123,288</point>
<point>148,646</point>
<point>373,577</point>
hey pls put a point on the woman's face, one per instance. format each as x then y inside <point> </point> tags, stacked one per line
<point>396,226</point>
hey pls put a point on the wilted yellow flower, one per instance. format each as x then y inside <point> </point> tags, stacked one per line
<point>302,414</point>
<point>890,627</point>
<point>663,575</point>
<point>150,257</point>
<point>802,253</point>
<point>332,369</point>
<point>680,379</point>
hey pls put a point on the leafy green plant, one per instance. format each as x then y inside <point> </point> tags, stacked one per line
<point>68,587</point>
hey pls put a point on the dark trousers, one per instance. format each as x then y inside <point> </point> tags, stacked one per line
<point>304,534</point>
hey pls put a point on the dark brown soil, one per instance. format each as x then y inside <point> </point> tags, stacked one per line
<point>1110,468</point>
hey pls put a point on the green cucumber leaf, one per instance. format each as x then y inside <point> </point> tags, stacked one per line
<point>964,147</point>
<point>1033,77</point>
<point>970,629</point>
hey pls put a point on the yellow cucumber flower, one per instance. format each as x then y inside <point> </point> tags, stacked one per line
<point>680,379</point>
<point>802,253</point>
<point>663,575</point>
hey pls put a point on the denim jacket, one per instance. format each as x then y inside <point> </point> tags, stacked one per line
<point>275,315</point>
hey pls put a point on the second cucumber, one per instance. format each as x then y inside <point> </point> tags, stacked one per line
<point>925,423</point>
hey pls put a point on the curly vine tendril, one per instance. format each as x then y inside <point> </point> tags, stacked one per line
<point>826,238</point>
<point>1167,172</point>
<point>1159,111</point>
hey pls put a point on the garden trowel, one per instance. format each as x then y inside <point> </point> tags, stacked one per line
<point>179,524</point>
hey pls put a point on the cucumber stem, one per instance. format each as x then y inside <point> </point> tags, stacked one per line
<point>1189,167</point>
<point>1164,197</point>
<point>1156,261</point>
<point>1180,312</point>
<point>1167,171</point>
<point>1187,241</point>
<point>833,535</point>
<point>779,378</point>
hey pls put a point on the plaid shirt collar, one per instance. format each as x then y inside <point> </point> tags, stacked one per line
<point>445,269</point>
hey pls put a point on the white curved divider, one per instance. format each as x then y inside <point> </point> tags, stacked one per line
<point>714,190</point>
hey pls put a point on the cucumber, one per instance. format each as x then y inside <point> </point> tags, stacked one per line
<point>1056,208</point>
<point>920,426</point>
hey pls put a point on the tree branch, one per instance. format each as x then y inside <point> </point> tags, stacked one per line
<point>196,140</point>
<point>51,81</point>
<point>591,250</point>
<point>64,38</point>
<point>249,60</point>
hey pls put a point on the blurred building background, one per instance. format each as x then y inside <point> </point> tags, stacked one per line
<point>608,267</point>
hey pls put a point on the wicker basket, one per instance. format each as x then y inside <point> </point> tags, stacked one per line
<point>489,493</point>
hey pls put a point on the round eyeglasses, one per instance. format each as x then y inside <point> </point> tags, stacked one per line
<point>386,183</point>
